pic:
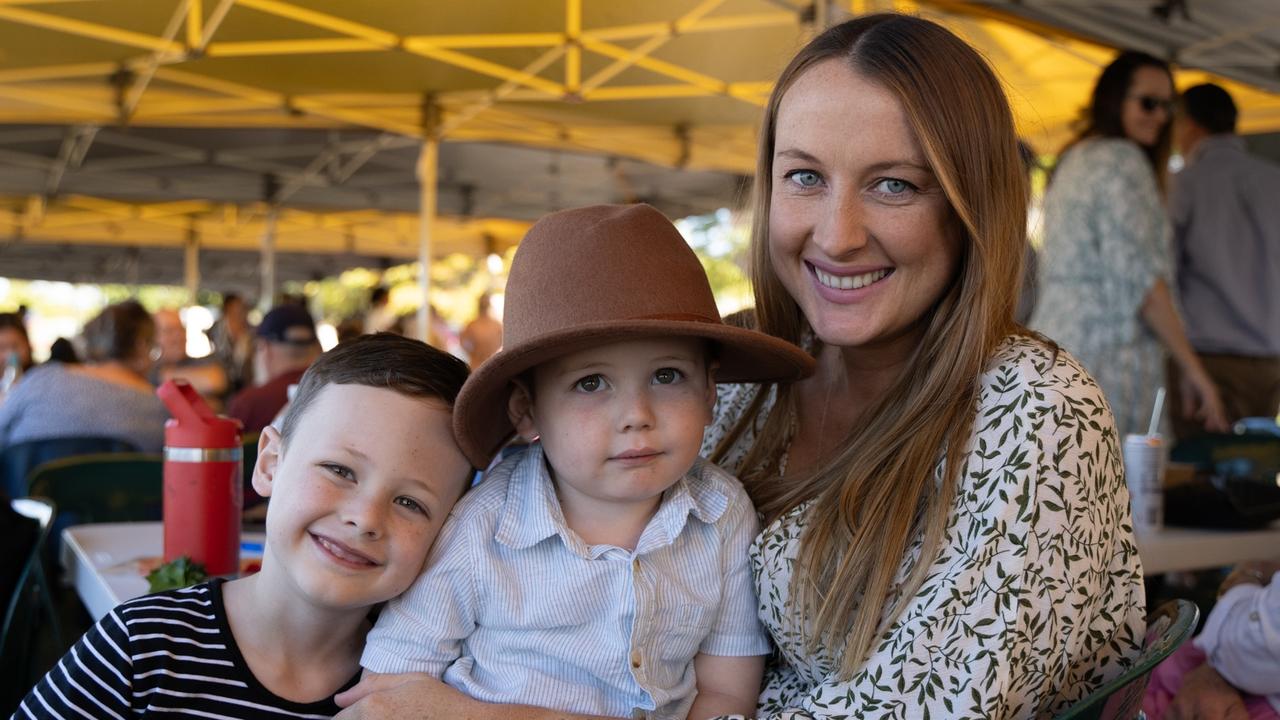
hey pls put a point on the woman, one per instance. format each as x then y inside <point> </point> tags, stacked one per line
<point>946,531</point>
<point>108,396</point>
<point>14,341</point>
<point>1105,267</point>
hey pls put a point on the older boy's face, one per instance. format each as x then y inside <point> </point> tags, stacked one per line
<point>623,422</point>
<point>359,494</point>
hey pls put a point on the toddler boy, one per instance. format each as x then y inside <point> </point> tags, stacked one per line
<point>604,570</point>
<point>361,476</point>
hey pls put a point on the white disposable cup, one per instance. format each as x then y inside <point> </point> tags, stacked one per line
<point>1144,459</point>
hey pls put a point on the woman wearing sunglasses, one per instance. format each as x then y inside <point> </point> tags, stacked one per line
<point>1105,269</point>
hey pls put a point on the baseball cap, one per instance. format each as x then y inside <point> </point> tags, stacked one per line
<point>290,324</point>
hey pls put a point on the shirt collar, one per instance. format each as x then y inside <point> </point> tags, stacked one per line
<point>697,494</point>
<point>532,512</point>
<point>1212,143</point>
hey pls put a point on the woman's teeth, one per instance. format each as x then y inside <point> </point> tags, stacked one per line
<point>849,282</point>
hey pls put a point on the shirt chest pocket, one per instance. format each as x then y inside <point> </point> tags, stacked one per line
<point>679,630</point>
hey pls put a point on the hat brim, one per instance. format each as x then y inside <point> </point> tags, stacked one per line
<point>480,421</point>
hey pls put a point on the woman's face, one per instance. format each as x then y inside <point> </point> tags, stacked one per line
<point>1147,106</point>
<point>860,232</point>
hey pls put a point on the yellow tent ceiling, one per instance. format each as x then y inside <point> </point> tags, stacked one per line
<point>672,82</point>
<point>675,82</point>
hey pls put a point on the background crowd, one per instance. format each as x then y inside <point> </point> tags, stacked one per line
<point>978,454</point>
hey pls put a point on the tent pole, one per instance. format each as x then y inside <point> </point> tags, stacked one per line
<point>191,262</point>
<point>267,267</point>
<point>428,168</point>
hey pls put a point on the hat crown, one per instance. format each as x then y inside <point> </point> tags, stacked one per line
<point>602,264</point>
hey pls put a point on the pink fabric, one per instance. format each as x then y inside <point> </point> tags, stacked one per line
<point>1167,679</point>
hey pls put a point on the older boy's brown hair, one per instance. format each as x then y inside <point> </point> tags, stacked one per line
<point>385,360</point>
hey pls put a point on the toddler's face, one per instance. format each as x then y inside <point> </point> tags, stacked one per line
<point>624,421</point>
<point>359,494</point>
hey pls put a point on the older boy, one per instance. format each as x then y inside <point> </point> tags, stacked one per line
<point>361,476</point>
<point>604,570</point>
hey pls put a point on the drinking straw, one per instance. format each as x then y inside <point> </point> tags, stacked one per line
<point>1155,412</point>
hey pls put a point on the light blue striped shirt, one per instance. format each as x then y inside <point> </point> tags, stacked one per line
<point>515,608</point>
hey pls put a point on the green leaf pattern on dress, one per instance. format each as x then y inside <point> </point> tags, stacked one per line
<point>1035,597</point>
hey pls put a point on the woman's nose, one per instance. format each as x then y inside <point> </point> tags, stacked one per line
<point>841,228</point>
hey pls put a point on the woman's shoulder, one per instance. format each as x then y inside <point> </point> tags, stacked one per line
<point>46,372</point>
<point>1032,364</point>
<point>733,400</point>
<point>1105,152</point>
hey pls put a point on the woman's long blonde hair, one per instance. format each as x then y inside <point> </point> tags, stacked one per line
<point>880,492</point>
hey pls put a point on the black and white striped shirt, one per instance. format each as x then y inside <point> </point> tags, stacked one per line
<point>169,653</point>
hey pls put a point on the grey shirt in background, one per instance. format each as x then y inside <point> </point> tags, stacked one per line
<point>54,401</point>
<point>1225,207</point>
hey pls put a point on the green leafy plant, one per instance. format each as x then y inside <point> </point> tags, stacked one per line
<point>179,573</point>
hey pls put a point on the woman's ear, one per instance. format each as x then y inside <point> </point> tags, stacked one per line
<point>520,411</point>
<point>270,446</point>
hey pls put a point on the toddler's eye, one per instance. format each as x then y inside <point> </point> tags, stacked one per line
<point>590,384</point>
<point>408,502</point>
<point>667,376</point>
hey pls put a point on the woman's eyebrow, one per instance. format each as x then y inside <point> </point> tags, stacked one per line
<point>899,164</point>
<point>796,154</point>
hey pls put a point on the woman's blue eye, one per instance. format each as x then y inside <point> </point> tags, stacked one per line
<point>590,383</point>
<point>805,178</point>
<point>667,376</point>
<point>894,186</point>
<point>410,503</point>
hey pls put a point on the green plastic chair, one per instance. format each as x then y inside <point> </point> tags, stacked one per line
<point>30,597</point>
<point>1121,699</point>
<point>106,487</point>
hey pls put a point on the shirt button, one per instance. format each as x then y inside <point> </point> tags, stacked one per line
<point>635,658</point>
<point>635,564</point>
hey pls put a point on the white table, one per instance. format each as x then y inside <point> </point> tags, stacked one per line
<point>99,560</point>
<point>1172,548</point>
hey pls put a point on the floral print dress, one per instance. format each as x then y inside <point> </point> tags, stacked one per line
<point>1035,598</point>
<point>1105,245</point>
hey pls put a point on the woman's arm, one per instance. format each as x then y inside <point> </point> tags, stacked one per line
<point>1137,268</point>
<point>422,697</point>
<point>1200,397</point>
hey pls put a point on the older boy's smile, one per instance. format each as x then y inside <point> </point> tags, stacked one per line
<point>343,554</point>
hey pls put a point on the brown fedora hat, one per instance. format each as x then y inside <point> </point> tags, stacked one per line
<point>594,275</point>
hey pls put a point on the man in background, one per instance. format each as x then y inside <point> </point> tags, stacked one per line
<point>205,374</point>
<point>1225,207</point>
<point>232,339</point>
<point>380,317</point>
<point>482,337</point>
<point>286,346</point>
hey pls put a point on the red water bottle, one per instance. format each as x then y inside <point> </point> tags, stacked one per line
<point>202,481</point>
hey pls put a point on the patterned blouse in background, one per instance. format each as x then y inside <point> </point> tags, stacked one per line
<point>1035,598</point>
<point>1105,245</point>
